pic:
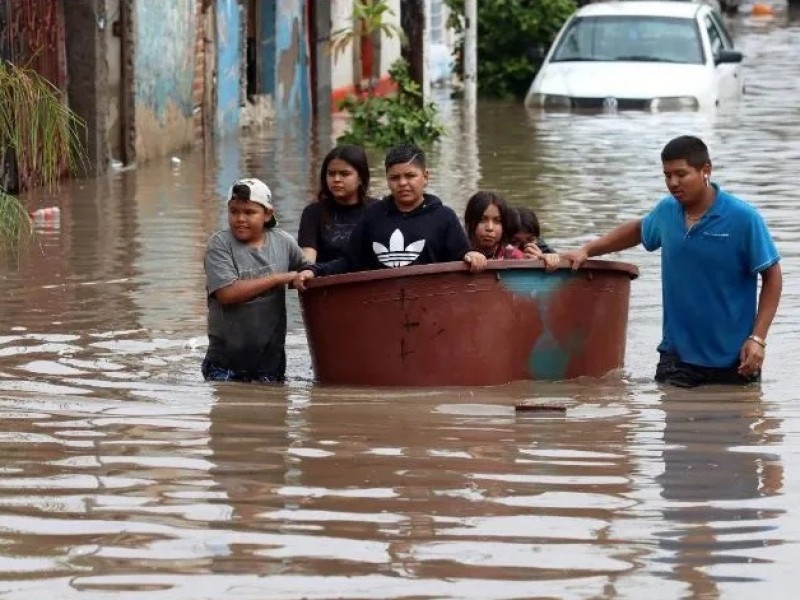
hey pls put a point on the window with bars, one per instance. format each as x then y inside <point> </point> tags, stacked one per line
<point>436,22</point>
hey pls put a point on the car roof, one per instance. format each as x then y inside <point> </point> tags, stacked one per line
<point>651,8</point>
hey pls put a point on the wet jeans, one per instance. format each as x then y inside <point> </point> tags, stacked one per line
<point>673,371</point>
<point>214,373</point>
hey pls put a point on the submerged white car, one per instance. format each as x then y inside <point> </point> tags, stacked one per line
<point>650,55</point>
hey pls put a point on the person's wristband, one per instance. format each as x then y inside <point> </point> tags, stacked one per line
<point>757,339</point>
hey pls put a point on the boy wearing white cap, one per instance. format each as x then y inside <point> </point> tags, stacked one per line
<point>247,268</point>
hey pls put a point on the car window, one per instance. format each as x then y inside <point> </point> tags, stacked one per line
<point>727,40</point>
<point>714,35</point>
<point>630,38</point>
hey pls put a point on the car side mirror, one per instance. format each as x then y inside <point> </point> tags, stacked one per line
<point>727,56</point>
<point>536,53</point>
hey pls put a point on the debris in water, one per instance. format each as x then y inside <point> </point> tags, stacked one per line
<point>48,217</point>
<point>539,406</point>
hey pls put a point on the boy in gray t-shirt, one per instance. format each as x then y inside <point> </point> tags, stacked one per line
<point>247,268</point>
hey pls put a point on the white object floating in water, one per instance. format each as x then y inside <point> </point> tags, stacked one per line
<point>49,216</point>
<point>175,160</point>
<point>194,343</point>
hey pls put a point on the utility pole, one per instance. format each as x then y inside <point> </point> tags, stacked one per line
<point>471,55</point>
<point>412,22</point>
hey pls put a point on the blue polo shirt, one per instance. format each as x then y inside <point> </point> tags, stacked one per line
<point>709,276</point>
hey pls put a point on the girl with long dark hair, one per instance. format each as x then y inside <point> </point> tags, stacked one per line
<point>326,224</point>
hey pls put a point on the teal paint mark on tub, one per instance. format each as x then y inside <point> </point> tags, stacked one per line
<point>229,44</point>
<point>548,359</point>
<point>164,60</point>
<point>533,283</point>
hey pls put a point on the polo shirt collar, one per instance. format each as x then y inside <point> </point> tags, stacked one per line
<point>717,209</point>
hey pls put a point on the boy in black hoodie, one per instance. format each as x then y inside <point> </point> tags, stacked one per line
<point>408,227</point>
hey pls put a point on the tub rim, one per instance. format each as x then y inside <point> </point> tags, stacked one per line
<point>632,271</point>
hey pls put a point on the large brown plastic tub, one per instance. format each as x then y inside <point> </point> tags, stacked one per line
<point>439,325</point>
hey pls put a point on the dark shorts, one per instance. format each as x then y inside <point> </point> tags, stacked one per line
<point>212,372</point>
<point>673,371</point>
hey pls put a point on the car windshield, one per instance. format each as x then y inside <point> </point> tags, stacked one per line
<point>632,38</point>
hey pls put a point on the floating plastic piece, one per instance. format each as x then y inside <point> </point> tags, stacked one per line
<point>47,217</point>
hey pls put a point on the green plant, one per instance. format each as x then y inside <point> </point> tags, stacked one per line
<point>368,18</point>
<point>42,133</point>
<point>507,29</point>
<point>386,121</point>
<point>15,224</point>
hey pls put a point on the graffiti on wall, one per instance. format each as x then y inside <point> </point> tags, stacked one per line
<point>266,48</point>
<point>165,37</point>
<point>293,97</point>
<point>228,65</point>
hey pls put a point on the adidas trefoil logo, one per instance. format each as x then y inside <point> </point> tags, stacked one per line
<point>398,254</point>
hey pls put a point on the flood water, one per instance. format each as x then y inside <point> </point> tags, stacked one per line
<point>124,475</point>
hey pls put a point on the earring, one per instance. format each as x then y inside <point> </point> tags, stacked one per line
<point>705,177</point>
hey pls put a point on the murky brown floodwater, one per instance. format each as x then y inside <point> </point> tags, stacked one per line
<point>122,471</point>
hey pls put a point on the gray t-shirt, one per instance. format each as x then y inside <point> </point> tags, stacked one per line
<point>249,337</point>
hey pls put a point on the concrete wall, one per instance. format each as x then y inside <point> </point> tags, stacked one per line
<point>201,81</point>
<point>86,60</point>
<point>320,56</point>
<point>390,46</point>
<point>229,66</point>
<point>164,67</point>
<point>114,81</point>
<point>342,69</point>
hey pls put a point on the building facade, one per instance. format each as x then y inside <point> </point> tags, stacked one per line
<point>151,78</point>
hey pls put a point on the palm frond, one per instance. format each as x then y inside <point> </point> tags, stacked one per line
<point>391,30</point>
<point>16,227</point>
<point>368,18</point>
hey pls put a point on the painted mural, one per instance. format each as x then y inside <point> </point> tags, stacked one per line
<point>293,97</point>
<point>266,32</point>
<point>229,57</point>
<point>164,67</point>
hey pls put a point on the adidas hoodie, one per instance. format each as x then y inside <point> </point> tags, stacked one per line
<point>386,237</point>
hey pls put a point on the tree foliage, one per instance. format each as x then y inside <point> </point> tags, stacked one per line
<point>507,29</point>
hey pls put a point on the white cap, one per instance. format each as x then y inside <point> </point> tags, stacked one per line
<point>259,193</point>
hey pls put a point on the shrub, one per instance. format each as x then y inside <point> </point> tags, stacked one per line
<point>384,121</point>
<point>507,29</point>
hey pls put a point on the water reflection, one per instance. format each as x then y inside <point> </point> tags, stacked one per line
<point>420,483</point>
<point>717,468</point>
<point>57,280</point>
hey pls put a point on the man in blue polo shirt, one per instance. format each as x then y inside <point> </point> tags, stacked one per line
<point>713,248</point>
